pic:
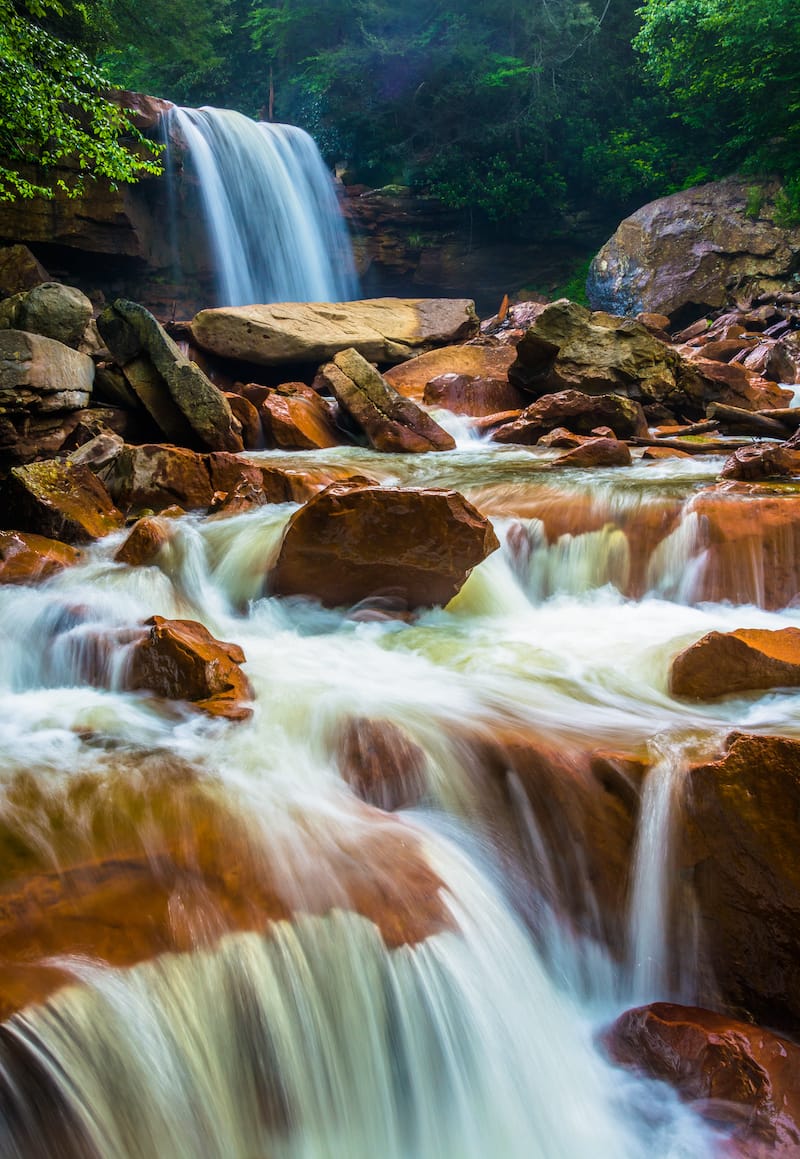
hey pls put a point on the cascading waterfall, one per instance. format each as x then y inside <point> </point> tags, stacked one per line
<point>271,214</point>
<point>311,1036</point>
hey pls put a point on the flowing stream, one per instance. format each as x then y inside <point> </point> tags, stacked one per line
<point>270,210</point>
<point>263,969</point>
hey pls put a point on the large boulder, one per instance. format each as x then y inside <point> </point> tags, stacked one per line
<point>390,422</point>
<point>570,348</point>
<point>740,1077</point>
<point>724,663</point>
<point>479,361</point>
<point>181,660</point>
<point>695,249</point>
<point>352,543</point>
<point>382,329</point>
<point>38,373</point>
<point>739,850</point>
<point>600,452</point>
<point>763,461</point>
<point>52,309</point>
<point>185,404</point>
<point>155,476</point>
<point>578,412</point>
<point>58,501</point>
<point>467,394</point>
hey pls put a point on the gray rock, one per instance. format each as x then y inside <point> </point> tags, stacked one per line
<point>699,247</point>
<point>55,311</point>
<point>381,329</point>
<point>185,404</point>
<point>33,363</point>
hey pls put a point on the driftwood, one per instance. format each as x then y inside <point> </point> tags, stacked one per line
<point>706,428</point>
<point>705,448</point>
<point>787,414</point>
<point>753,421</point>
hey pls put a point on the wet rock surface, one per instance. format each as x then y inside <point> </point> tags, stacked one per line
<point>726,663</point>
<point>352,543</point>
<point>738,1076</point>
<point>739,848</point>
<point>60,502</point>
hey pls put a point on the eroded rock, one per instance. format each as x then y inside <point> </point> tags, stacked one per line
<point>27,559</point>
<point>723,663</point>
<point>579,412</point>
<point>58,501</point>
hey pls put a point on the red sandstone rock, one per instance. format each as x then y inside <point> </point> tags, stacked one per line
<point>381,763</point>
<point>351,543</point>
<point>739,851</point>
<point>295,417</point>
<point>410,378</point>
<point>723,663</point>
<point>577,412</point>
<point>27,559</point>
<point>735,1075</point>
<point>735,385</point>
<point>58,501</point>
<point>123,892</point>
<point>467,394</point>
<point>762,462</point>
<point>181,660</point>
<point>596,453</point>
<point>664,453</point>
<point>146,539</point>
<point>752,543</point>
<point>249,420</point>
<point>157,475</point>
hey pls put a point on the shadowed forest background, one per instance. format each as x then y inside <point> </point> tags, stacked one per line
<point>513,110</point>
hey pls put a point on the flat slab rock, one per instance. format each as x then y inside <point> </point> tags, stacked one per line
<point>382,329</point>
<point>414,548</point>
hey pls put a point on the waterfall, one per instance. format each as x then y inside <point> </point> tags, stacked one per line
<point>271,214</point>
<point>204,930</point>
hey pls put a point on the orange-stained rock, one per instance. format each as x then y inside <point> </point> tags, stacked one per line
<point>735,385</point>
<point>157,475</point>
<point>596,453</point>
<point>381,763</point>
<point>27,559</point>
<point>147,537</point>
<point>739,851</point>
<point>181,660</point>
<point>577,412</point>
<point>561,437</point>
<point>52,499</point>
<point>584,806</point>
<point>351,543</point>
<point>723,663</point>
<point>410,378</point>
<point>249,420</point>
<point>762,462</point>
<point>389,421</point>
<point>467,394</point>
<point>144,856</point>
<point>295,417</point>
<point>657,453</point>
<point>243,498</point>
<point>751,536</point>
<point>737,1076</point>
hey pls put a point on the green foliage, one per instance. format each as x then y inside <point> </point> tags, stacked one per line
<point>787,204</point>
<point>53,111</point>
<point>754,203</point>
<point>732,74</point>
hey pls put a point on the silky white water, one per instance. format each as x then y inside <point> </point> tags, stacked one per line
<point>311,1038</point>
<point>271,214</point>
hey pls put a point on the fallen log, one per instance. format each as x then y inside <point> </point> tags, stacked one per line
<point>789,415</point>
<point>750,420</point>
<point>705,448</point>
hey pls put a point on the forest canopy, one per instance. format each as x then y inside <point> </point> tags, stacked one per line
<point>502,107</point>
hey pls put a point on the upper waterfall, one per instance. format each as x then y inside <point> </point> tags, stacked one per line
<point>274,228</point>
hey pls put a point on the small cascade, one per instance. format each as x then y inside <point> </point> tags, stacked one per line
<point>663,951</point>
<point>272,218</point>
